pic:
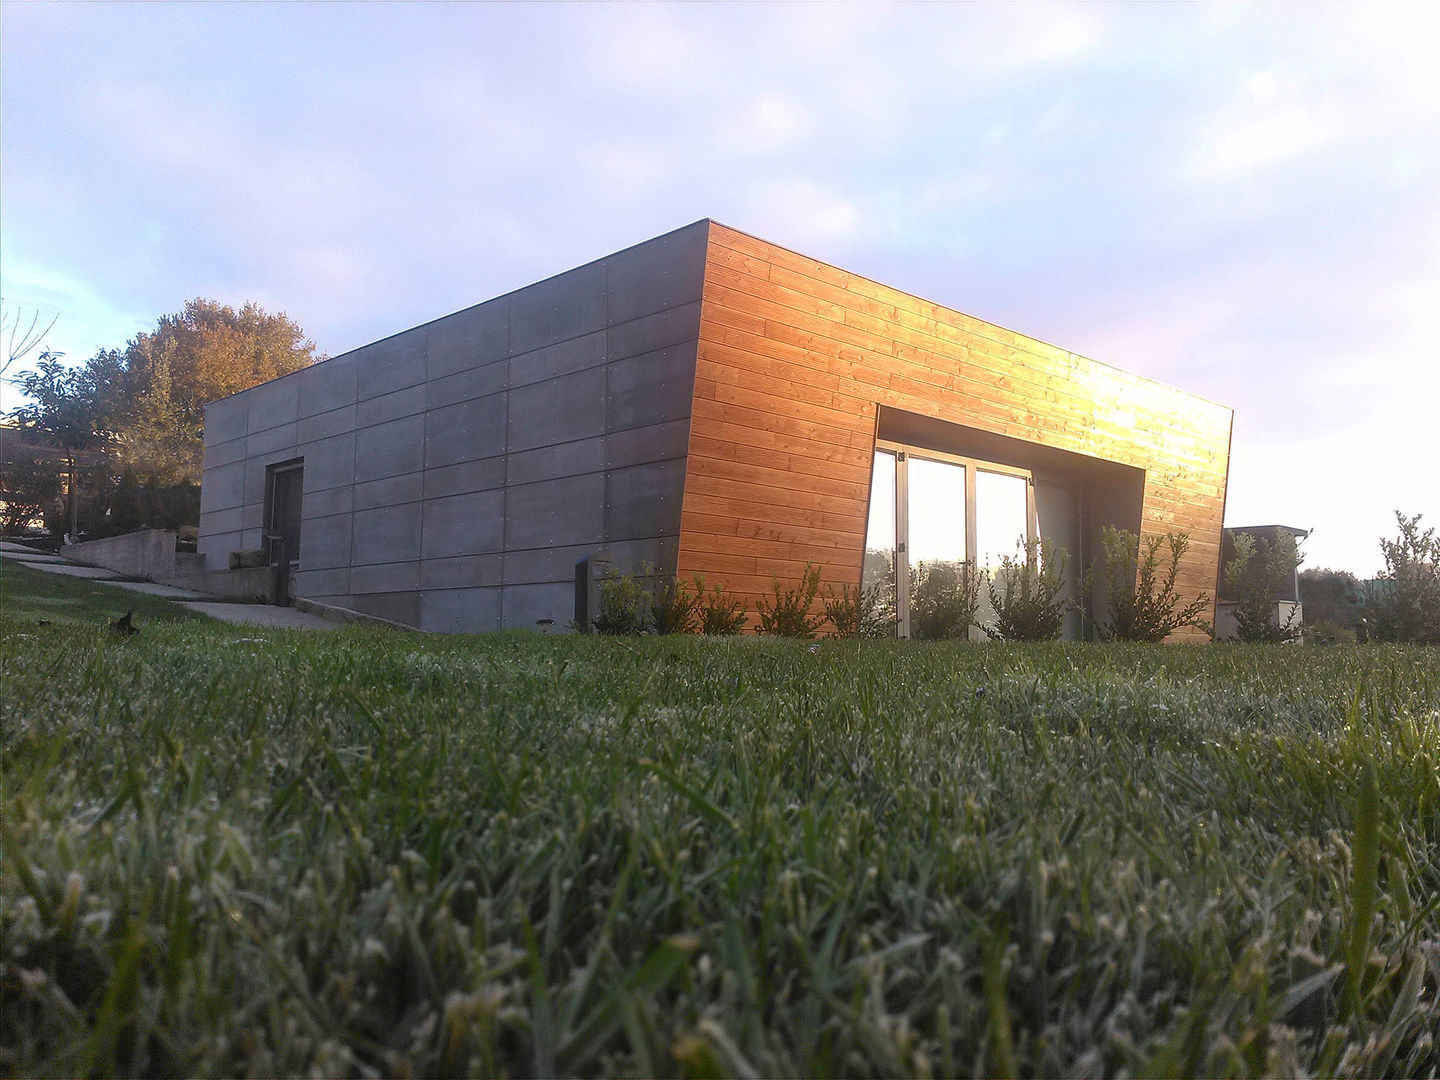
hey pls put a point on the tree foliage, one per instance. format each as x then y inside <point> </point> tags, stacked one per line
<point>163,379</point>
<point>1406,607</point>
<point>1331,596</point>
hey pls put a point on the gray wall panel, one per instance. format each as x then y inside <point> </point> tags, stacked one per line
<point>385,577</point>
<point>325,543</point>
<point>323,582</point>
<point>561,410</point>
<point>222,487</point>
<point>403,607</point>
<point>391,491</point>
<point>470,338</point>
<point>464,524</point>
<point>558,308</point>
<point>650,389</point>
<point>673,327</point>
<point>391,364</point>
<point>644,500</point>
<point>328,386</point>
<point>662,273</point>
<point>223,453</point>
<point>464,385</point>
<point>391,406</point>
<point>565,511</point>
<point>658,442</point>
<point>323,425</point>
<point>468,476</point>
<point>386,534</point>
<point>460,611</point>
<point>274,403</point>
<point>466,571</point>
<point>524,606</point>
<point>329,462</point>
<point>550,462</point>
<point>276,438</point>
<point>227,419</point>
<point>466,432</point>
<point>567,357</point>
<point>390,449</point>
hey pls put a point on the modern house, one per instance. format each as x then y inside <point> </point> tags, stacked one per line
<point>708,403</point>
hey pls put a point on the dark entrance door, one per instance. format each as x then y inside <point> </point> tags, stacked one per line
<point>284,490</point>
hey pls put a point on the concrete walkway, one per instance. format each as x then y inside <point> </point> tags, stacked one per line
<point>247,614</point>
<point>263,615</point>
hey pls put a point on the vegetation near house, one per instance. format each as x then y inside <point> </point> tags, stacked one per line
<point>1142,600</point>
<point>1025,594</point>
<point>1406,607</point>
<point>238,851</point>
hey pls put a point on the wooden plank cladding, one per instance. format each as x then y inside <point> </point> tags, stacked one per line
<point>796,358</point>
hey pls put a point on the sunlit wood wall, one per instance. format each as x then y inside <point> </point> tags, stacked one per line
<point>794,357</point>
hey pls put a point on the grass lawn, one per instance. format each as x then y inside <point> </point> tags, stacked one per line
<point>231,850</point>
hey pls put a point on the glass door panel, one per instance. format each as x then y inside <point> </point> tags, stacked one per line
<point>935,546</point>
<point>1002,518</point>
<point>880,546</point>
<point>1001,529</point>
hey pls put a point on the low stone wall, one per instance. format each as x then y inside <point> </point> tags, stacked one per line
<point>145,553</point>
<point>150,554</point>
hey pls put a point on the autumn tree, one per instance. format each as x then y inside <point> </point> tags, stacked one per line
<point>163,379</point>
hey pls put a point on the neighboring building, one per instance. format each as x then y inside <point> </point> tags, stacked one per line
<point>708,403</point>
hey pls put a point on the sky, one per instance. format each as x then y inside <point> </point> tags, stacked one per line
<point>1242,201</point>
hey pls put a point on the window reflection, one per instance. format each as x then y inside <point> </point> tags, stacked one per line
<point>879,569</point>
<point>1000,517</point>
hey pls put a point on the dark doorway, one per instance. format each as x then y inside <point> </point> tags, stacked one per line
<point>284,492</point>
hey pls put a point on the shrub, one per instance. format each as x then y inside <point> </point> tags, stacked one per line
<point>1407,605</point>
<point>1254,577</point>
<point>1331,596</point>
<point>859,613</point>
<point>944,597</point>
<point>717,614</point>
<point>1028,605</point>
<point>1143,602</point>
<point>624,606</point>
<point>1327,632</point>
<point>789,614</point>
<point>674,607</point>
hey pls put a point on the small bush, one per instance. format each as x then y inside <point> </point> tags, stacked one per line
<point>944,597</point>
<point>1327,632</point>
<point>1254,577</point>
<point>624,606</point>
<point>859,613</point>
<point>675,608</point>
<point>789,614</point>
<point>717,614</point>
<point>1028,605</point>
<point>1144,604</point>
<point>1331,596</point>
<point>1407,605</point>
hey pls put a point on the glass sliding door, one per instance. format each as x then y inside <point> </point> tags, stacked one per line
<point>930,514</point>
<point>880,536</point>
<point>935,547</point>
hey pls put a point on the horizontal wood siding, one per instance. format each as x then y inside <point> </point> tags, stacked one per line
<point>796,355</point>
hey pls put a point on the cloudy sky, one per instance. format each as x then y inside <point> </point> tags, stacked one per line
<point>1239,200</point>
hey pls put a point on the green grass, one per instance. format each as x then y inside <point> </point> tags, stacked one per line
<point>241,851</point>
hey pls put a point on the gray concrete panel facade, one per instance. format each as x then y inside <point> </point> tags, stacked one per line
<point>455,472</point>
